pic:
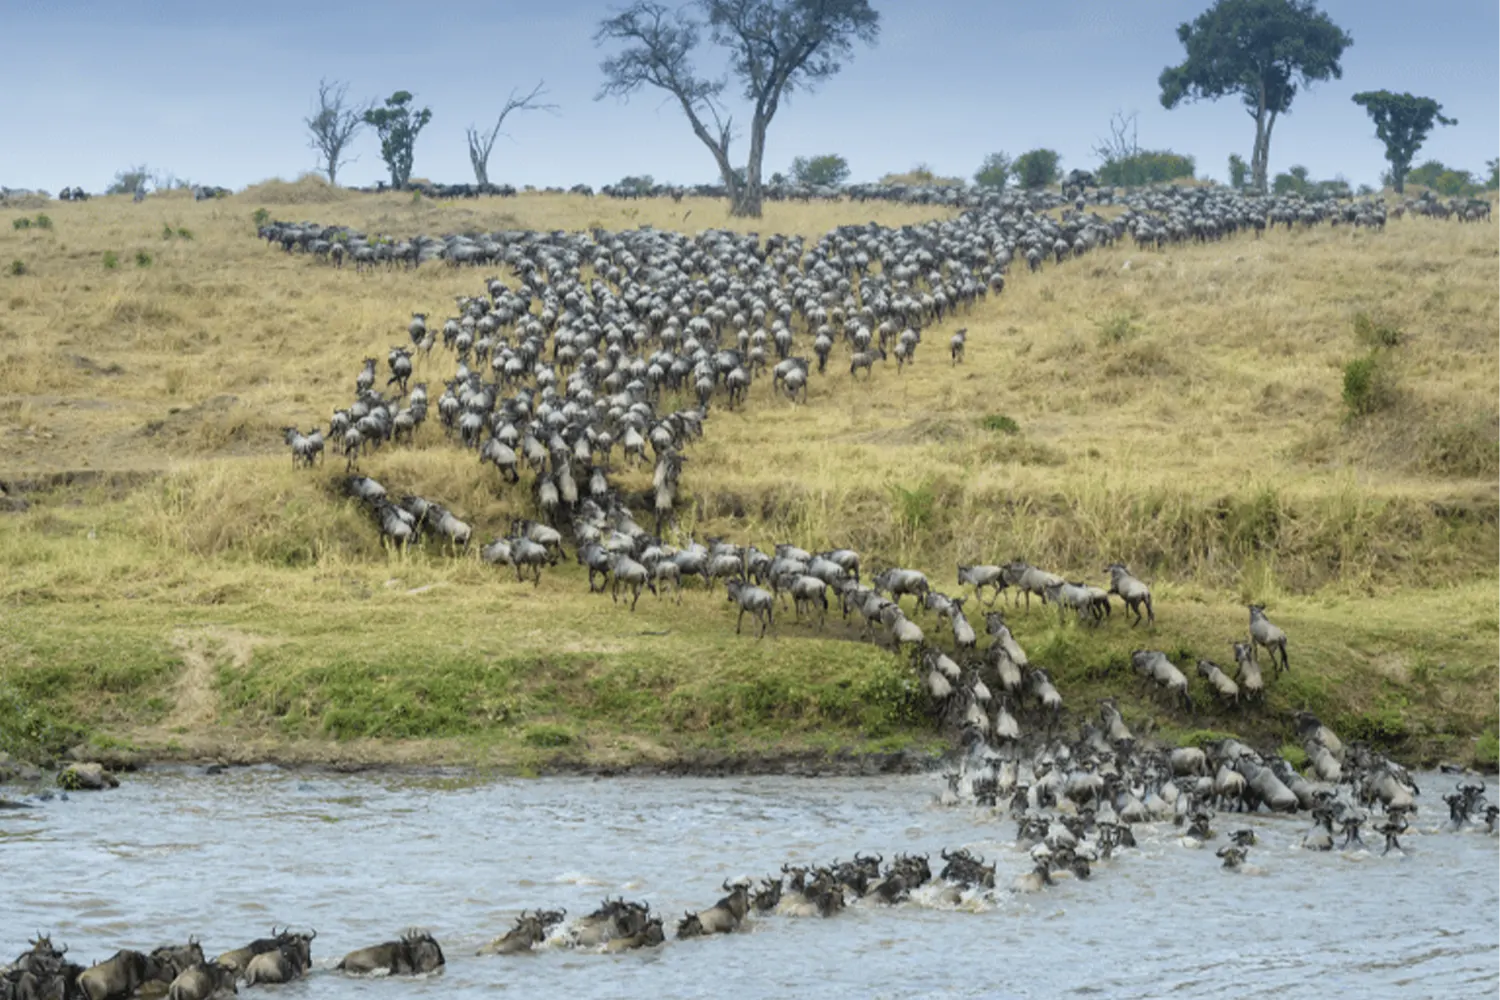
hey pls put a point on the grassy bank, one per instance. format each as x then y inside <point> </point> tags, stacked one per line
<point>1184,412</point>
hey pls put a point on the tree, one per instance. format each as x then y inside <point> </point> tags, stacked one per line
<point>994,172</point>
<point>1037,168</point>
<point>828,170</point>
<point>1402,122</point>
<point>397,124</point>
<point>1294,181</point>
<point>480,144</point>
<point>1260,50</point>
<point>776,47</point>
<point>1238,171</point>
<point>130,180</point>
<point>1125,164</point>
<point>1443,179</point>
<point>1492,175</point>
<point>332,127</point>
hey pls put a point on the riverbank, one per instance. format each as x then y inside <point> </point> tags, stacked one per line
<point>173,588</point>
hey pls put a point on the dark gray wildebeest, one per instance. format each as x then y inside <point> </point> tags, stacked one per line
<point>980,577</point>
<point>1090,604</point>
<point>1133,592</point>
<point>203,981</point>
<point>1247,671</point>
<point>1028,580</point>
<point>118,977</point>
<point>900,582</point>
<point>759,603</point>
<point>414,954</point>
<point>1227,690</point>
<point>306,448</point>
<point>1264,634</point>
<point>956,344</point>
<point>288,962</point>
<point>1155,666</point>
<point>723,917</point>
<point>529,931</point>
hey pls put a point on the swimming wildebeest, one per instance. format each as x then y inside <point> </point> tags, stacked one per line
<point>416,952</point>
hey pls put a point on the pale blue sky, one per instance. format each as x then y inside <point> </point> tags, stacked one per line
<point>215,92</point>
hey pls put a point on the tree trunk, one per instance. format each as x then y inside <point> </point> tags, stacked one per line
<point>1398,178</point>
<point>748,204</point>
<point>1258,155</point>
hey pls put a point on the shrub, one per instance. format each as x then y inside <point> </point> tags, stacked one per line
<point>1037,168</point>
<point>17,268</point>
<point>183,233</point>
<point>546,734</point>
<point>43,222</point>
<point>1001,423</point>
<point>1367,386</point>
<point>111,260</point>
<point>142,259</point>
<point>261,217</point>
<point>994,172</point>
<point>914,508</point>
<point>166,231</point>
<point>21,223</point>
<point>1487,749</point>
<point>1118,327</point>
<point>1146,167</point>
<point>1373,333</point>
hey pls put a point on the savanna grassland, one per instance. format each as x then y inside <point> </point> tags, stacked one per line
<point>174,585</point>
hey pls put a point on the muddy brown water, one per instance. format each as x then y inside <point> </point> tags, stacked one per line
<point>359,858</point>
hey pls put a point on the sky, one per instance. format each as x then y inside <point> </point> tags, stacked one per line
<point>216,92</point>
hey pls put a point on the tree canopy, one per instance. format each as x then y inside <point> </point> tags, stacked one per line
<point>1037,168</point>
<point>1261,51</point>
<point>828,170</point>
<point>398,124</point>
<point>1402,122</point>
<point>1239,171</point>
<point>994,172</point>
<point>1146,166</point>
<point>775,48</point>
<point>1443,179</point>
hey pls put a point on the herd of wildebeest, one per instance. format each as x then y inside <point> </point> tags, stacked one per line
<point>604,343</point>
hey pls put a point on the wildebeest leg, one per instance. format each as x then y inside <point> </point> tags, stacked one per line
<point>637,597</point>
<point>739,621</point>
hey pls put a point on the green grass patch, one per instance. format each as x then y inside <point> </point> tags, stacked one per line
<point>1000,423</point>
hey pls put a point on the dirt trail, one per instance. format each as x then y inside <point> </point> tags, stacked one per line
<point>196,702</point>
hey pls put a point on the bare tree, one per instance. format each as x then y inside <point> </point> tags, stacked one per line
<point>1122,143</point>
<point>481,144</point>
<point>775,48</point>
<point>333,126</point>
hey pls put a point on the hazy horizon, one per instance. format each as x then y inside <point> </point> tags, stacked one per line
<point>216,94</point>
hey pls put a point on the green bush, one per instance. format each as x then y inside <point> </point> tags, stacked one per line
<point>915,507</point>
<point>1118,327</point>
<point>1146,167</point>
<point>1367,386</point>
<point>17,268</point>
<point>43,222</point>
<point>183,233</point>
<point>1001,423</point>
<point>261,217</point>
<point>111,260</point>
<point>142,259</point>
<point>546,734</point>
<point>21,223</point>
<point>1487,749</point>
<point>1374,334</point>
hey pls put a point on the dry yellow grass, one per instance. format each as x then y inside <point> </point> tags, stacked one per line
<point>1181,411</point>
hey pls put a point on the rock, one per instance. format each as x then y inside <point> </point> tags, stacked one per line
<point>88,776</point>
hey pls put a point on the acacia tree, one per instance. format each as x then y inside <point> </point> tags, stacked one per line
<point>1260,50</point>
<point>1402,122</point>
<point>1238,171</point>
<point>397,124</point>
<point>1037,168</point>
<point>828,170</point>
<point>480,144</point>
<point>994,172</point>
<point>332,127</point>
<point>775,48</point>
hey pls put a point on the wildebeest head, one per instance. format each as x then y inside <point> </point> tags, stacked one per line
<point>423,952</point>
<point>767,896</point>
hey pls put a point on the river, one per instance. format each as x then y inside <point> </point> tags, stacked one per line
<point>359,858</point>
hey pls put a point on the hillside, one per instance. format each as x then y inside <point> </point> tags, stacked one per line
<point>173,585</point>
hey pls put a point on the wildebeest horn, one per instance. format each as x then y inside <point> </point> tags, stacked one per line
<point>312,934</point>
<point>943,853</point>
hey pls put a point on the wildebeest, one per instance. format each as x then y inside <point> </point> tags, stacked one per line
<point>1133,592</point>
<point>414,953</point>
<point>202,981</point>
<point>119,976</point>
<point>723,917</point>
<point>529,931</point>
<point>1264,634</point>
